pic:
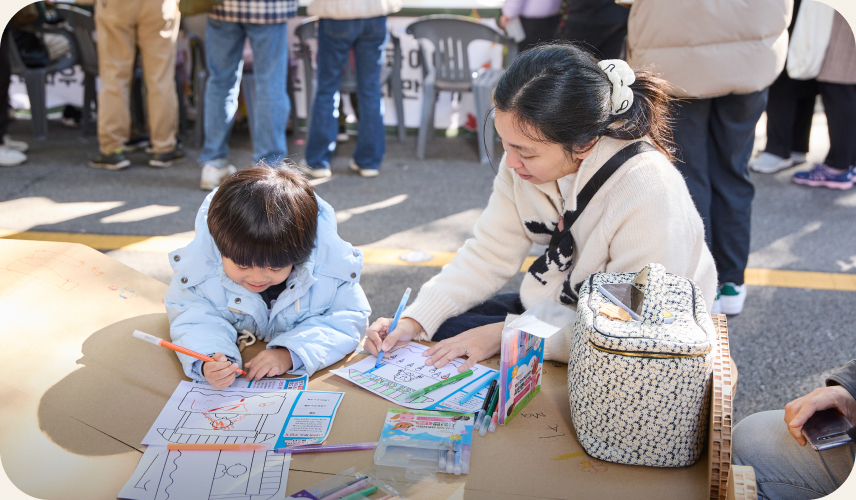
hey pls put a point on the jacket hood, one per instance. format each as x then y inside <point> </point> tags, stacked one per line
<point>332,256</point>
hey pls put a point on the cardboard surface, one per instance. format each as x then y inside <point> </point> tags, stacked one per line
<point>62,438</point>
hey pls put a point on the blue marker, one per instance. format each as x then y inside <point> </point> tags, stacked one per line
<point>481,386</point>
<point>394,324</point>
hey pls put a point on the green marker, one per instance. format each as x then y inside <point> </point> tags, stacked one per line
<point>434,387</point>
<point>360,495</point>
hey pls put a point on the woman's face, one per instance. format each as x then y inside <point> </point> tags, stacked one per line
<point>534,161</point>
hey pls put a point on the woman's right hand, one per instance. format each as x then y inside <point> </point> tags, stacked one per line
<point>381,339</point>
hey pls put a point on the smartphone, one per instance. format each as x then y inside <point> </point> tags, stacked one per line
<point>826,429</point>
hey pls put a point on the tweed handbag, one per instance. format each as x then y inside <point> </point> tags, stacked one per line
<point>640,387</point>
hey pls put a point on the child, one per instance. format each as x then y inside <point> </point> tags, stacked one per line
<point>266,259</point>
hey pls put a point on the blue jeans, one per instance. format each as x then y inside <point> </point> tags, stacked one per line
<point>270,69</point>
<point>367,38</point>
<point>784,469</point>
<point>491,311</point>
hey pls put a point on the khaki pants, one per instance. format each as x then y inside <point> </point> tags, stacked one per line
<point>121,27</point>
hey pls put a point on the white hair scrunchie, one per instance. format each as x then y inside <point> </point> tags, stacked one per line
<point>621,77</point>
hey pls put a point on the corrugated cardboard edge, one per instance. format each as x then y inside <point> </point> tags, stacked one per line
<point>741,485</point>
<point>719,440</point>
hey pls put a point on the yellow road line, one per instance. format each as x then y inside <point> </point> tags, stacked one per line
<point>390,257</point>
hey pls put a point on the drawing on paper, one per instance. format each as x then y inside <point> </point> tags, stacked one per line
<point>124,292</point>
<point>214,475</point>
<point>223,417</point>
<point>48,267</point>
<point>405,372</point>
<point>97,272</point>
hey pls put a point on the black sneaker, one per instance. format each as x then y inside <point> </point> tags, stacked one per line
<point>168,159</point>
<point>114,161</point>
<point>138,143</point>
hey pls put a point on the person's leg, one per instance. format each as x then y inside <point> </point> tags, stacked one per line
<point>732,126</point>
<point>157,32</point>
<point>784,469</point>
<point>538,30</point>
<point>781,117</point>
<point>335,38</point>
<point>692,136</point>
<point>115,24</point>
<point>803,115</point>
<point>492,311</point>
<point>270,70</point>
<point>5,75</point>
<point>606,40</point>
<point>839,103</point>
<point>221,90</point>
<point>369,57</point>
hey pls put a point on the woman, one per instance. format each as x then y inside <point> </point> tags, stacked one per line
<point>561,115</point>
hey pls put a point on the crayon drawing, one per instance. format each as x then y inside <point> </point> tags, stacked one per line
<point>48,267</point>
<point>208,475</point>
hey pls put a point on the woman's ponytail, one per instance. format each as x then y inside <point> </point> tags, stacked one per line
<point>649,115</point>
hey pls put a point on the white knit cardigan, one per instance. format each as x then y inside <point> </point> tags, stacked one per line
<point>641,215</point>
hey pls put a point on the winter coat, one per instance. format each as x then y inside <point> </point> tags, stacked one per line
<point>352,9</point>
<point>320,317</point>
<point>710,49</point>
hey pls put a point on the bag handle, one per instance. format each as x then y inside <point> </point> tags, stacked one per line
<point>652,281</point>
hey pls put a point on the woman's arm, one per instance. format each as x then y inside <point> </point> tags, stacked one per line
<point>482,266</point>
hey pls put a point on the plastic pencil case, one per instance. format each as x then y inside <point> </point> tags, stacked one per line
<point>422,459</point>
<point>342,485</point>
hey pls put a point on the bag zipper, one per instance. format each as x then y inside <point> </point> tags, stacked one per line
<point>648,354</point>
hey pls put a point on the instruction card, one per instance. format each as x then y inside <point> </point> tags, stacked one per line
<point>208,475</point>
<point>405,372</point>
<point>197,413</point>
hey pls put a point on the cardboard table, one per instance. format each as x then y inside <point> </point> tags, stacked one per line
<point>80,393</point>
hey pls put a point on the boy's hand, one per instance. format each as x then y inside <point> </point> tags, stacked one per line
<point>219,374</point>
<point>380,339</point>
<point>269,363</point>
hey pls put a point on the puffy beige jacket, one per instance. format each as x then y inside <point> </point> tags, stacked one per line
<point>706,48</point>
<point>352,9</point>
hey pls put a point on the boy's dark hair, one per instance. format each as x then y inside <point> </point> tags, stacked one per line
<point>265,217</point>
<point>559,91</point>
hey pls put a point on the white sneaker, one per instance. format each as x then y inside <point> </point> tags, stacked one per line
<point>768,163</point>
<point>799,158</point>
<point>342,137</point>
<point>212,176</point>
<point>732,298</point>
<point>10,157</point>
<point>16,145</point>
<point>365,172</point>
<point>315,173</point>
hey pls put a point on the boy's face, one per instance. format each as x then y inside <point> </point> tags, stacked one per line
<point>255,279</point>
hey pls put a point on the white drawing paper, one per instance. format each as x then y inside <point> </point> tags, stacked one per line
<point>291,384</point>
<point>208,475</point>
<point>405,372</point>
<point>197,413</point>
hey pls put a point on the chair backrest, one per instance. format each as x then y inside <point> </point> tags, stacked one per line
<point>82,24</point>
<point>15,61</point>
<point>451,36</point>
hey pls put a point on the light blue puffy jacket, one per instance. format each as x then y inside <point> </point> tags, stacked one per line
<point>320,316</point>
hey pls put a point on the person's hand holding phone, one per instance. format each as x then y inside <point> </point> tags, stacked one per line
<point>798,411</point>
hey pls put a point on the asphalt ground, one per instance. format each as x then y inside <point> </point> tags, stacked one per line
<point>785,342</point>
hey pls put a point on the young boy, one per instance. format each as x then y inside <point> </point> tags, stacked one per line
<point>266,259</point>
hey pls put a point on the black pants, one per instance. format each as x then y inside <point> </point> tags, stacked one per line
<point>538,30</point>
<point>790,109</point>
<point>5,75</point>
<point>492,311</point>
<point>839,102</point>
<point>715,138</point>
<point>607,40</point>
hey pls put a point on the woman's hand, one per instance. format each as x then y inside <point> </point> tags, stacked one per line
<point>269,363</point>
<point>220,373</point>
<point>380,339</point>
<point>504,20</point>
<point>477,344</point>
<point>798,411</point>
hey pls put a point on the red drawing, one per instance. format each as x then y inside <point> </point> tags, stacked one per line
<point>46,266</point>
<point>593,465</point>
<point>97,272</point>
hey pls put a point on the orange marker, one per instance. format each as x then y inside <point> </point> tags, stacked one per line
<point>169,345</point>
<point>214,447</point>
